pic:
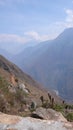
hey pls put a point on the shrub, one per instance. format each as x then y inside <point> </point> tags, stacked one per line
<point>46,104</point>
<point>16,80</point>
<point>58,107</point>
<point>2,104</point>
<point>33,106</point>
<point>3,85</point>
<point>69,117</point>
<point>42,99</point>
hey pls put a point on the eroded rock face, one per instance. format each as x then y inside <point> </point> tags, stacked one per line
<point>9,122</point>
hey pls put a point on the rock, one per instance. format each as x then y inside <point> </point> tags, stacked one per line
<point>48,114</point>
<point>12,88</point>
<point>3,127</point>
<point>33,124</point>
<point>9,122</point>
<point>22,87</point>
<point>9,119</point>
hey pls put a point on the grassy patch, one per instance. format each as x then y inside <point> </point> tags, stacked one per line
<point>3,85</point>
<point>58,107</point>
<point>69,117</point>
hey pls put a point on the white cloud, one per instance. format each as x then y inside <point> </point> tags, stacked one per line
<point>12,38</point>
<point>57,28</point>
<point>69,15</point>
<point>69,18</point>
<point>28,37</point>
<point>68,21</point>
<point>33,35</point>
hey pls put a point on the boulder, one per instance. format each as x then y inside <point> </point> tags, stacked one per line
<point>9,122</point>
<point>23,87</point>
<point>48,114</point>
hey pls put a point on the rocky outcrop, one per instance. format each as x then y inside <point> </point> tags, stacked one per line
<point>23,87</point>
<point>9,122</point>
<point>48,114</point>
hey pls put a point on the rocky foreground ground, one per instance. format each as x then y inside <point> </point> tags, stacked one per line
<point>56,122</point>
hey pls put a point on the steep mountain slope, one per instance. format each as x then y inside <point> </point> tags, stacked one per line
<point>17,90</point>
<point>52,64</point>
<point>21,95</point>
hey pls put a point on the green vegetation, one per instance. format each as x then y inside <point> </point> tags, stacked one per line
<point>45,104</point>
<point>33,106</point>
<point>15,102</point>
<point>58,107</point>
<point>20,95</point>
<point>69,117</point>
<point>2,104</point>
<point>3,85</point>
<point>11,101</point>
<point>64,108</point>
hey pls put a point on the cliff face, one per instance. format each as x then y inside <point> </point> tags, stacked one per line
<point>8,122</point>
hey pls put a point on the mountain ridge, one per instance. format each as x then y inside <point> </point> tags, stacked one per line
<point>52,64</point>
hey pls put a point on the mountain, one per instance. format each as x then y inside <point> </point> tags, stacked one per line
<point>30,54</point>
<point>18,90</point>
<point>16,47</point>
<point>5,53</point>
<point>21,95</point>
<point>51,63</point>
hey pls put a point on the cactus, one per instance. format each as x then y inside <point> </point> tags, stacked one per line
<point>42,99</point>
<point>49,97</point>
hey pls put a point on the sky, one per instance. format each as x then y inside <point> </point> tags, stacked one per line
<point>24,21</point>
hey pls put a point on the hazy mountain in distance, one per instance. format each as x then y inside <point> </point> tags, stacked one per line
<point>11,50</point>
<point>51,63</point>
<point>15,48</point>
<point>5,53</point>
<point>29,54</point>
